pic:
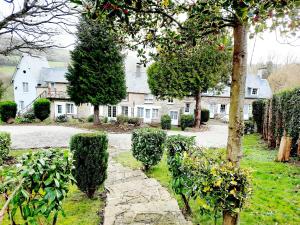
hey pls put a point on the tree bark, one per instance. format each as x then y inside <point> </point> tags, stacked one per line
<point>236,115</point>
<point>298,149</point>
<point>96,115</point>
<point>198,110</point>
<point>271,139</point>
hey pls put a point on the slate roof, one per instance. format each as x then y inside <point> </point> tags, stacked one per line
<point>56,75</point>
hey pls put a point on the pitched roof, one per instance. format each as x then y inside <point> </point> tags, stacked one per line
<point>56,75</point>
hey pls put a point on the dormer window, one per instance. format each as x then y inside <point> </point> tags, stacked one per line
<point>254,91</point>
<point>170,101</point>
<point>24,71</point>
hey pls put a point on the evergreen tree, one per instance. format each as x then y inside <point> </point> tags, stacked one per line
<point>96,74</point>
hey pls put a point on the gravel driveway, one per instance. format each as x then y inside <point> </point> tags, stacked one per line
<point>59,136</point>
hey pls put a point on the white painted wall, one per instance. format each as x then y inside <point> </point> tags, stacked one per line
<point>31,66</point>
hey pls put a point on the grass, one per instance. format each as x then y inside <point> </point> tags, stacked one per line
<point>6,73</point>
<point>276,186</point>
<point>78,208</point>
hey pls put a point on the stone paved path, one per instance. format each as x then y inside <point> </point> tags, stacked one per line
<point>134,199</point>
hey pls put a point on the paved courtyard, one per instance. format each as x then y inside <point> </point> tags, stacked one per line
<point>59,136</point>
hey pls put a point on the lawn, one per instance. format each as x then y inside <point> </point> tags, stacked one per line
<point>276,186</point>
<point>78,208</point>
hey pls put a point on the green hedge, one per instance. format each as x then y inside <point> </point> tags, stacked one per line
<point>165,122</point>
<point>258,114</point>
<point>8,109</point>
<point>186,121</point>
<point>147,146</point>
<point>90,161</point>
<point>5,143</point>
<point>41,108</point>
<point>204,115</point>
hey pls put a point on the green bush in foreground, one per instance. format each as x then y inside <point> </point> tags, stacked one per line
<point>41,108</point>
<point>5,143</point>
<point>8,109</point>
<point>204,115</point>
<point>90,161</point>
<point>147,146</point>
<point>186,121</point>
<point>165,122</point>
<point>121,119</point>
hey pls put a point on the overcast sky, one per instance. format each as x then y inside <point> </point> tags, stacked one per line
<point>267,45</point>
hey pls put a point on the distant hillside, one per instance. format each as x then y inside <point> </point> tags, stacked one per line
<point>285,77</point>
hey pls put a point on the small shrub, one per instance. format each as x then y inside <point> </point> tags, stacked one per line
<point>5,143</point>
<point>61,119</point>
<point>105,119</point>
<point>186,121</point>
<point>90,118</point>
<point>41,108</point>
<point>8,109</point>
<point>121,119</point>
<point>135,121</point>
<point>248,127</point>
<point>20,120</point>
<point>90,161</point>
<point>165,122</point>
<point>147,146</point>
<point>29,116</point>
<point>204,115</point>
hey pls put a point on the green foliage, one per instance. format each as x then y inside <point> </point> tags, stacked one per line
<point>90,118</point>
<point>20,120</point>
<point>105,119</point>
<point>204,115</point>
<point>135,121</point>
<point>186,121</point>
<point>41,108</point>
<point>45,178</point>
<point>61,119</point>
<point>248,127</point>
<point>5,143</point>
<point>90,161</point>
<point>96,62</point>
<point>223,187</point>
<point>147,146</point>
<point>29,116</point>
<point>1,89</point>
<point>8,109</point>
<point>165,122</point>
<point>121,119</point>
<point>258,114</point>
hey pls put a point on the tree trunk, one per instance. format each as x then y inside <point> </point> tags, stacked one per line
<point>284,148</point>
<point>236,115</point>
<point>188,209</point>
<point>271,139</point>
<point>96,115</point>
<point>298,149</point>
<point>198,110</point>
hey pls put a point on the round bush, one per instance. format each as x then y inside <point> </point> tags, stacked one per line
<point>186,121</point>
<point>165,122</point>
<point>8,109</point>
<point>90,119</point>
<point>121,119</point>
<point>90,161</point>
<point>147,146</point>
<point>204,115</point>
<point>41,108</point>
<point>135,121</point>
<point>5,143</point>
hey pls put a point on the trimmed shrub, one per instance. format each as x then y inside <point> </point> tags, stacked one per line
<point>147,146</point>
<point>8,109</point>
<point>258,114</point>
<point>105,119</point>
<point>90,161</point>
<point>248,127</point>
<point>186,121</point>
<point>29,116</point>
<point>41,108</point>
<point>61,119</point>
<point>135,121</point>
<point>121,119</point>
<point>204,115</point>
<point>90,118</point>
<point>5,143</point>
<point>165,122</point>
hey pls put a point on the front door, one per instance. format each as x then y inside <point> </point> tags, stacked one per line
<point>174,117</point>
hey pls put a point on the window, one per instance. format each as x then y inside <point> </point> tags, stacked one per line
<point>138,70</point>
<point>148,113</point>
<point>21,105</point>
<point>24,71</point>
<point>70,108</point>
<point>174,115</point>
<point>112,111</point>
<point>59,109</point>
<point>154,113</point>
<point>170,101</point>
<point>223,108</point>
<point>25,87</point>
<point>254,91</point>
<point>132,112</point>
<point>140,112</point>
<point>125,110</point>
<point>52,86</point>
<point>187,107</point>
<point>250,109</point>
<point>148,98</point>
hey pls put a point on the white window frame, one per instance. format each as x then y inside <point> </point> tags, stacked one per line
<point>140,112</point>
<point>21,105</point>
<point>253,90</point>
<point>224,108</point>
<point>138,70</point>
<point>25,87</point>
<point>125,110</point>
<point>59,109</point>
<point>112,111</point>
<point>148,98</point>
<point>187,107</point>
<point>70,108</point>
<point>155,113</point>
